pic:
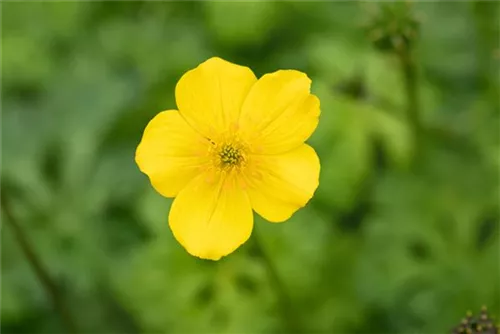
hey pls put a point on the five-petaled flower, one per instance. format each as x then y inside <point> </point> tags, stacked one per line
<point>235,144</point>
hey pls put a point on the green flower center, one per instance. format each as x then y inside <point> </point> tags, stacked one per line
<point>230,156</point>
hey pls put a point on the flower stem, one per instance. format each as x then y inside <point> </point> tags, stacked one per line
<point>409,70</point>
<point>290,320</point>
<point>41,272</point>
<point>486,30</point>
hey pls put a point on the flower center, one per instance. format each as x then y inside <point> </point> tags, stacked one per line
<point>228,153</point>
<point>230,156</point>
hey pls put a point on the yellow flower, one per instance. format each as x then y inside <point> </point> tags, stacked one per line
<point>236,144</point>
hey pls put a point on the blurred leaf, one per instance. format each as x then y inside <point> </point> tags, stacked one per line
<point>240,24</point>
<point>347,157</point>
<point>232,295</point>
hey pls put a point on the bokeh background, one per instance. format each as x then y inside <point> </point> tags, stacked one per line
<point>402,235</point>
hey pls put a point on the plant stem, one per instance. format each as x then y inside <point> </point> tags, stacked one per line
<point>41,272</point>
<point>486,30</point>
<point>409,71</point>
<point>289,318</point>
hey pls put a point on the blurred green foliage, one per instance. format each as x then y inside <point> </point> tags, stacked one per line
<point>401,236</point>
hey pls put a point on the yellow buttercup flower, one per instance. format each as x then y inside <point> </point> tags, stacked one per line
<point>235,144</point>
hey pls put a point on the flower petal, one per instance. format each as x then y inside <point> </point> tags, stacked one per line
<point>212,216</point>
<point>171,153</point>
<point>210,96</point>
<point>278,185</point>
<point>279,113</point>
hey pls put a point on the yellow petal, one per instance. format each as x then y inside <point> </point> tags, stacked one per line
<point>278,185</point>
<point>212,216</point>
<point>210,96</point>
<point>279,113</point>
<point>171,153</point>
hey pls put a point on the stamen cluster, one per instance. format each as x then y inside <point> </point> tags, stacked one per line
<point>230,155</point>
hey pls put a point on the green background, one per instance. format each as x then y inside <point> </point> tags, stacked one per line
<point>400,237</point>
